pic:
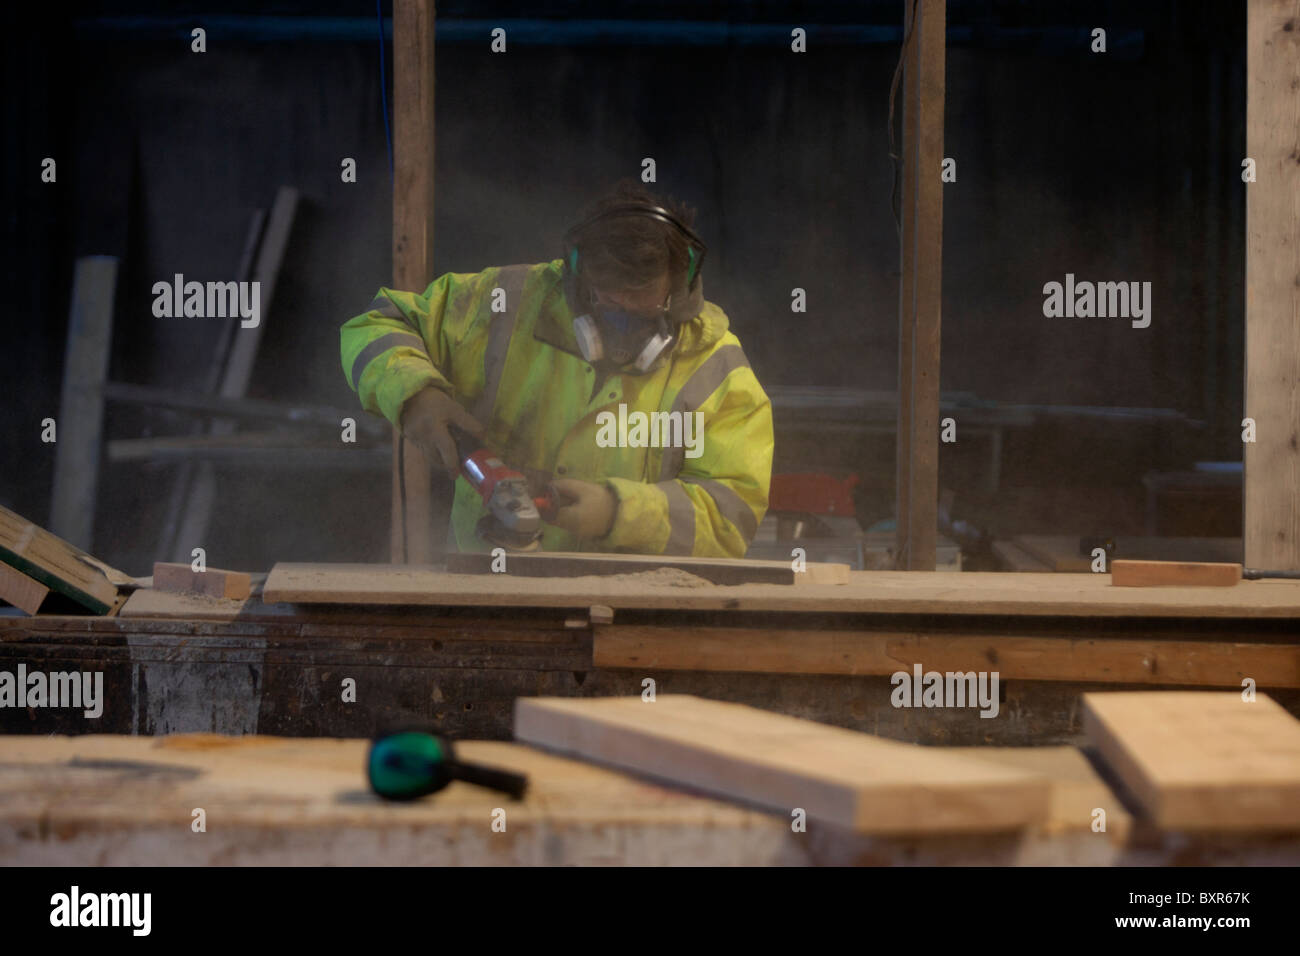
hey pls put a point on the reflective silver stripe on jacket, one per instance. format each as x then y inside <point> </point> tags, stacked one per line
<point>511,279</point>
<point>681,519</point>
<point>381,345</point>
<point>730,505</point>
<point>704,382</point>
<point>387,308</point>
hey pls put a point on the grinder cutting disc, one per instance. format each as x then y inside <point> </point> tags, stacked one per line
<point>491,531</point>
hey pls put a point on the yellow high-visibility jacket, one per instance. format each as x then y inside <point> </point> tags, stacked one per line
<point>501,342</point>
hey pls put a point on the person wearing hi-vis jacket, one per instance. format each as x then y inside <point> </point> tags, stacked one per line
<point>604,374</point>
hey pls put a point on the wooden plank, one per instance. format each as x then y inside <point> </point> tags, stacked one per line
<point>1204,760</point>
<point>886,652</point>
<point>920,284</point>
<point>1145,574</point>
<point>192,527</point>
<point>725,571</point>
<point>1272,461</point>
<point>851,780</point>
<point>81,407</point>
<point>213,582</point>
<point>868,592</point>
<point>202,403</point>
<point>413,538</point>
<point>23,592</point>
<point>54,563</point>
<point>179,497</point>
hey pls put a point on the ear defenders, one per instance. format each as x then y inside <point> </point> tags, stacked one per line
<point>613,336</point>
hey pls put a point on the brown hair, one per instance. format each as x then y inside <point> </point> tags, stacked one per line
<point>631,252</point>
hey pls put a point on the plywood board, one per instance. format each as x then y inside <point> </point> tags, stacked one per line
<point>847,779</point>
<point>1147,574</point>
<point>54,563</point>
<point>726,571</point>
<point>882,592</point>
<point>1201,760</point>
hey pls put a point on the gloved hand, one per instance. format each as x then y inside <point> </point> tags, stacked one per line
<point>425,418</point>
<point>587,509</point>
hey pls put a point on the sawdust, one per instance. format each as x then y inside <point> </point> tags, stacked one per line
<point>661,577</point>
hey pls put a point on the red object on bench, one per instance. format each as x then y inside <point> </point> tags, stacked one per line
<point>812,493</point>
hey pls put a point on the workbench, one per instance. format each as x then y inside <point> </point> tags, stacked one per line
<point>122,801</point>
<point>457,650</point>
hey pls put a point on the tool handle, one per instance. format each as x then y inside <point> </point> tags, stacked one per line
<point>505,781</point>
<point>466,444</point>
<point>550,502</point>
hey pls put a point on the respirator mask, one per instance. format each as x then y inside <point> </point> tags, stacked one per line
<point>614,337</point>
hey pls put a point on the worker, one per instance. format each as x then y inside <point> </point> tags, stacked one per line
<point>540,362</point>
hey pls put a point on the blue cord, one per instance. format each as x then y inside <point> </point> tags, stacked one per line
<point>383,91</point>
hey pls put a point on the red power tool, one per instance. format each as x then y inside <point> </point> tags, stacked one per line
<point>514,518</point>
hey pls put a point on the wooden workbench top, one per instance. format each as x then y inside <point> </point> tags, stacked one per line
<point>121,800</point>
<point>886,592</point>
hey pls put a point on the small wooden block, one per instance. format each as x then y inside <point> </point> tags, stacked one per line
<point>23,592</point>
<point>1201,760</point>
<point>1146,574</point>
<point>820,572</point>
<point>213,582</point>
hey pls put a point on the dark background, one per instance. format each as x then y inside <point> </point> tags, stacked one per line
<point>1122,166</point>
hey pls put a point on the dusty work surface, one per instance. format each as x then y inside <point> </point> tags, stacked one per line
<point>112,800</point>
<point>898,592</point>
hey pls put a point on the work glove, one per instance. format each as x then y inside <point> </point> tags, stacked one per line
<point>425,418</point>
<point>586,509</point>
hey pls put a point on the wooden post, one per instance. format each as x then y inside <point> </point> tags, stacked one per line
<point>81,408</point>
<point>413,24</point>
<point>1272,461</point>
<point>920,288</point>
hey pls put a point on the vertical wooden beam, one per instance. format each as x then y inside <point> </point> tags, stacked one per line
<point>81,408</point>
<point>921,285</point>
<point>1272,461</point>
<point>413,24</point>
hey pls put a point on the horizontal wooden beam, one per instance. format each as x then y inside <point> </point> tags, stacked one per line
<point>863,653</point>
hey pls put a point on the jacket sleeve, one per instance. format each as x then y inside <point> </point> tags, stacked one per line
<point>408,341</point>
<point>714,505</point>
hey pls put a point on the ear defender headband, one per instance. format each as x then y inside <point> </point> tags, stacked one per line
<point>695,251</point>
